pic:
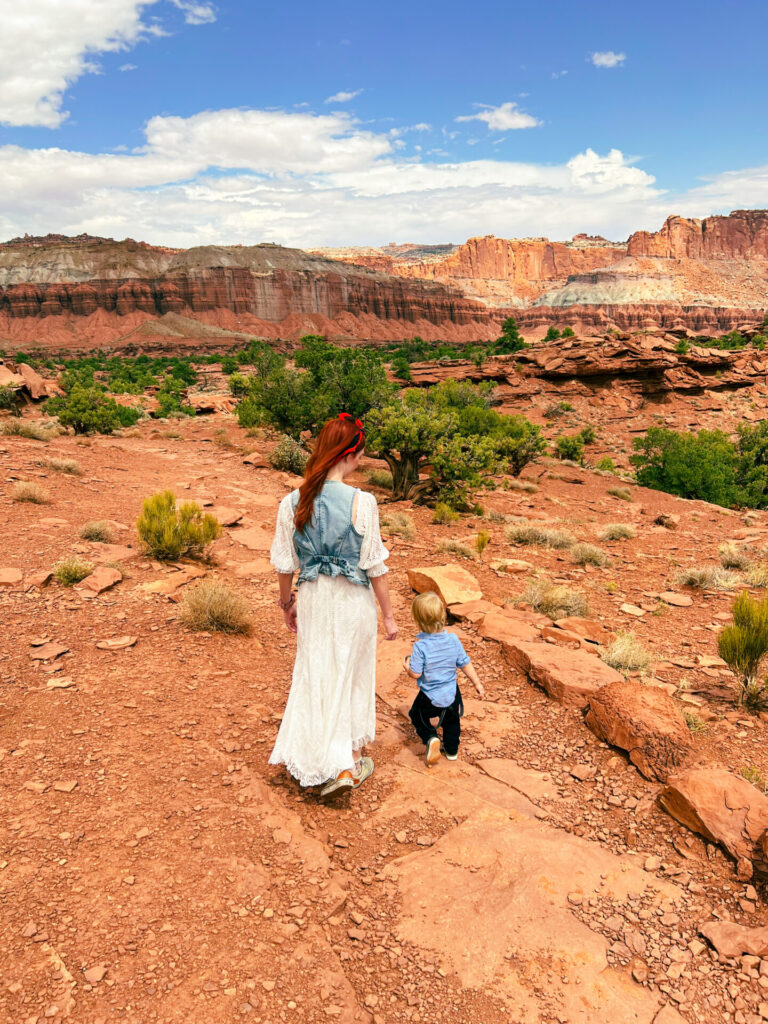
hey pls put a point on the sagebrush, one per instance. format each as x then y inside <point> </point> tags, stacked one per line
<point>168,532</point>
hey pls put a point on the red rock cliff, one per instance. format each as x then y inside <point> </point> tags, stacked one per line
<point>743,234</point>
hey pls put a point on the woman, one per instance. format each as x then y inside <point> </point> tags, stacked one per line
<point>329,532</point>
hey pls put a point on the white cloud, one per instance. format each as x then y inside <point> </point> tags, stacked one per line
<point>608,59</point>
<point>196,13</point>
<point>305,179</point>
<point>343,97</point>
<point>127,67</point>
<point>46,45</point>
<point>505,117</point>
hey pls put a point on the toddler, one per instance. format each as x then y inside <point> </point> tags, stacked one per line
<point>433,662</point>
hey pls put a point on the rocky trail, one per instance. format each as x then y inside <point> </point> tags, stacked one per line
<point>155,868</point>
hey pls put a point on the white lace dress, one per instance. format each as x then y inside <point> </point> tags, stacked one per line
<point>331,708</point>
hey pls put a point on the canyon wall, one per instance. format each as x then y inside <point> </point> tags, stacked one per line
<point>742,235</point>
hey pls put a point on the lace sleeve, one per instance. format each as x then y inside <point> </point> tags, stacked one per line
<point>372,553</point>
<point>283,553</point>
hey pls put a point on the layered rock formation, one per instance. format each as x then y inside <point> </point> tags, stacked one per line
<point>264,290</point>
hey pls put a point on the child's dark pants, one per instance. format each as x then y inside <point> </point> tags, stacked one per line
<point>450,718</point>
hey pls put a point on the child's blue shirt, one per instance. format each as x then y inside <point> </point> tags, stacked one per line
<point>436,656</point>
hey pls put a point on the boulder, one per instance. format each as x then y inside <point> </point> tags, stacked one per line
<point>722,807</point>
<point>452,582</point>
<point>505,629</point>
<point>588,629</point>
<point>473,611</point>
<point>730,939</point>
<point>101,579</point>
<point>569,677</point>
<point>646,723</point>
<point>10,577</point>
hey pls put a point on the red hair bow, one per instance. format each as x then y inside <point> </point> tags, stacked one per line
<point>358,436</point>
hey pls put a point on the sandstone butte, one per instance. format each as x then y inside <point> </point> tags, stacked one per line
<point>705,276</point>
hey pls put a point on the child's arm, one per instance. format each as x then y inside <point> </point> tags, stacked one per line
<point>407,667</point>
<point>469,672</point>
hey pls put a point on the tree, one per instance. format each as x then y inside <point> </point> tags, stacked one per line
<point>570,447</point>
<point>752,465</point>
<point>552,334</point>
<point>510,340</point>
<point>450,432</point>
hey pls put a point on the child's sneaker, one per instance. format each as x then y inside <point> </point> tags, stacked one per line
<point>433,751</point>
<point>451,757</point>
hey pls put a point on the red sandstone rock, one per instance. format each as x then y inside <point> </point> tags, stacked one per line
<point>731,939</point>
<point>451,582</point>
<point>645,722</point>
<point>742,234</point>
<point>569,677</point>
<point>722,807</point>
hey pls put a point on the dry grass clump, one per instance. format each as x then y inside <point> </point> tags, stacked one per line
<point>589,554</point>
<point>380,478</point>
<point>455,547</point>
<point>71,570</point>
<point>289,457</point>
<point>99,530</point>
<point>620,492</point>
<point>617,531</point>
<point>627,654</point>
<point>482,540</point>
<point>694,721</point>
<point>168,532</point>
<point>528,532</point>
<point>757,575</point>
<point>706,577</point>
<point>555,599</point>
<point>213,607</point>
<point>27,490</point>
<point>520,485</point>
<point>734,557</point>
<point>25,428</point>
<point>399,525</point>
<point>70,466</point>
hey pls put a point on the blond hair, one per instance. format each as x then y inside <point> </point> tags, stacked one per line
<point>429,612</point>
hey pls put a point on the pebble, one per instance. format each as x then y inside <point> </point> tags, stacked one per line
<point>94,974</point>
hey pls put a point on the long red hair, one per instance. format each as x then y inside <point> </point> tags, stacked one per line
<point>338,438</point>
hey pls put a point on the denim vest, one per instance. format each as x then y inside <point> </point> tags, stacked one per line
<point>329,543</point>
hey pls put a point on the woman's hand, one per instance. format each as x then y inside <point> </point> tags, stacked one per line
<point>390,627</point>
<point>289,617</point>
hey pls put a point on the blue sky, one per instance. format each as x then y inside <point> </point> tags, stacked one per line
<point>188,121</point>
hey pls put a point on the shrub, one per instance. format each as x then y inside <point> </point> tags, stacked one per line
<point>401,368</point>
<point>620,492</point>
<point>26,490</point>
<point>555,600</point>
<point>588,554</point>
<point>71,570</point>
<point>25,428</point>
<point>587,435</point>
<point>168,532</point>
<point>627,654</point>
<point>89,410</point>
<point>699,465</point>
<point>289,457</point>
<point>455,547</point>
<point>606,465</point>
<point>444,514</point>
<point>706,577</point>
<point>9,399</point>
<point>380,478</point>
<point>754,696</point>
<point>399,525</point>
<point>528,532</point>
<point>556,409</point>
<point>567,332</point>
<point>695,722</point>
<point>99,531</point>
<point>482,541</point>
<point>734,557</point>
<point>617,531</point>
<point>214,607</point>
<point>756,777</point>
<point>521,485</point>
<point>571,448</point>
<point>70,466</point>
<point>743,644</point>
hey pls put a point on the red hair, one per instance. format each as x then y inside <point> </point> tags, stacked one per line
<point>338,438</point>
